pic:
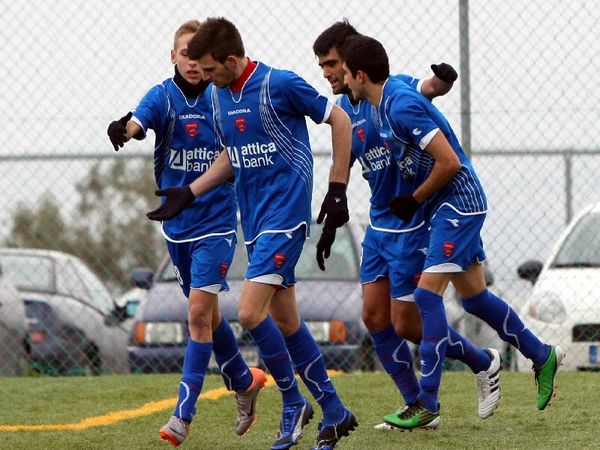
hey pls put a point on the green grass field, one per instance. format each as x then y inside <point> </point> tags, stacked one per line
<point>112,406</point>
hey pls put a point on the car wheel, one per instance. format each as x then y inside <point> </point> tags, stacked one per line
<point>94,360</point>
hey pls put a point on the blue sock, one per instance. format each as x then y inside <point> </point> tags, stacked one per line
<point>395,356</point>
<point>234,370</point>
<point>462,349</point>
<point>501,317</point>
<point>195,363</point>
<point>433,345</point>
<point>274,353</point>
<point>308,361</point>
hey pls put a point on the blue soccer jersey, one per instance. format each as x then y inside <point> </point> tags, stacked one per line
<point>264,130</point>
<point>409,122</point>
<point>185,147</point>
<point>378,165</point>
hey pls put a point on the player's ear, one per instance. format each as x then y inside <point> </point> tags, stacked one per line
<point>173,56</point>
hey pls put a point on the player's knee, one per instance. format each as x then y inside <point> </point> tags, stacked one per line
<point>408,330</point>
<point>375,320</point>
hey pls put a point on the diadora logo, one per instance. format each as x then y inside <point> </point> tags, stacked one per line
<point>455,222</point>
<point>416,131</point>
<point>191,129</point>
<point>240,124</point>
<point>360,133</point>
<point>239,111</point>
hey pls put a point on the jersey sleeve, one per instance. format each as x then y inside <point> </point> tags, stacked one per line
<point>151,108</point>
<point>411,119</point>
<point>304,99</point>
<point>413,82</point>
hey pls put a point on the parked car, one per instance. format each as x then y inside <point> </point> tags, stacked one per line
<point>330,303</point>
<point>563,307</point>
<point>14,346</point>
<point>73,324</point>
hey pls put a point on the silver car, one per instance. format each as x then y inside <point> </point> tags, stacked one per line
<point>74,326</point>
<point>13,339</point>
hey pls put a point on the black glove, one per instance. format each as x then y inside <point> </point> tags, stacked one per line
<point>324,246</point>
<point>178,198</point>
<point>404,207</point>
<point>117,130</point>
<point>335,207</point>
<point>444,72</point>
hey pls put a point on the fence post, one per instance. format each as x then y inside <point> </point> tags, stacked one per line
<point>465,88</point>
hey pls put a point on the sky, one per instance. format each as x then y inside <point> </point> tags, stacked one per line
<point>69,67</point>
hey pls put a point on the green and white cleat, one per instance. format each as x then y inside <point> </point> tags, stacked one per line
<point>413,416</point>
<point>545,377</point>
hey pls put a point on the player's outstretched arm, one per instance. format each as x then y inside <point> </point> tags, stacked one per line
<point>179,198</point>
<point>120,131</point>
<point>334,209</point>
<point>442,81</point>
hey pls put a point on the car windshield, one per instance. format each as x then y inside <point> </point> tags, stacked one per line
<point>581,247</point>
<point>29,273</point>
<point>341,265</point>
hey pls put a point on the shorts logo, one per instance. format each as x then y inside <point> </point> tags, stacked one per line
<point>191,128</point>
<point>448,248</point>
<point>416,278</point>
<point>224,269</point>
<point>360,133</point>
<point>279,260</point>
<point>240,124</point>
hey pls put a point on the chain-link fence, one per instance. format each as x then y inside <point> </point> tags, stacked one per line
<point>525,106</point>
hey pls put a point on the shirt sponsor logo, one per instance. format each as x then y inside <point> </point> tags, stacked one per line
<point>240,124</point>
<point>252,155</point>
<point>195,160</point>
<point>239,111</point>
<point>191,116</point>
<point>191,129</point>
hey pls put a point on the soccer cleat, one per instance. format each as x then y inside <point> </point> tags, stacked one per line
<point>246,401</point>
<point>329,435</point>
<point>385,426</point>
<point>488,385</point>
<point>545,377</point>
<point>293,420</point>
<point>413,416</point>
<point>175,431</point>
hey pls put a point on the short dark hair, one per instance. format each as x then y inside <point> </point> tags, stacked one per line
<point>367,54</point>
<point>218,37</point>
<point>334,36</point>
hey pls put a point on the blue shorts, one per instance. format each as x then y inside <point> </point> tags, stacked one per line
<point>272,257</point>
<point>397,256</point>
<point>203,264</point>
<point>454,241</point>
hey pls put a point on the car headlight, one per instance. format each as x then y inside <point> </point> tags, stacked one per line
<point>547,307</point>
<point>158,333</point>
<point>332,331</point>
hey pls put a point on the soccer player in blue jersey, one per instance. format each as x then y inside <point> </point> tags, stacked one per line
<point>201,240</point>
<point>260,116</point>
<point>393,251</point>
<point>443,187</point>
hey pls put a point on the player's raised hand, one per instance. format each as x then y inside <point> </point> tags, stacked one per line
<point>444,72</point>
<point>334,207</point>
<point>117,131</point>
<point>404,206</point>
<point>178,198</point>
<point>324,246</point>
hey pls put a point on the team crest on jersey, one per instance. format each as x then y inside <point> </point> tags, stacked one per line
<point>279,260</point>
<point>191,128</point>
<point>240,124</point>
<point>448,248</point>
<point>224,269</point>
<point>360,133</point>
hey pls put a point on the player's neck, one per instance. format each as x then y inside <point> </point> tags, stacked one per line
<point>246,68</point>
<point>374,92</point>
<point>188,89</point>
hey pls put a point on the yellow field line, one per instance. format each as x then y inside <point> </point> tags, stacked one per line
<point>117,416</point>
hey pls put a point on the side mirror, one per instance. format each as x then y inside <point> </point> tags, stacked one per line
<point>142,278</point>
<point>530,270</point>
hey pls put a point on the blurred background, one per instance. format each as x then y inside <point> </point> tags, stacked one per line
<point>526,107</point>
